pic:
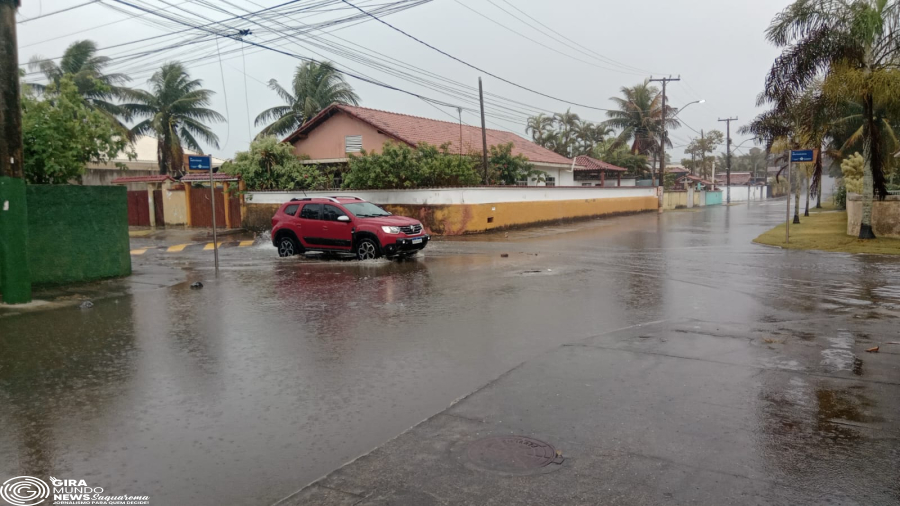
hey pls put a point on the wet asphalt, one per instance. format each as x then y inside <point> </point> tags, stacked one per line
<point>279,371</point>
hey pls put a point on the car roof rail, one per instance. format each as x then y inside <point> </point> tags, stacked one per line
<point>346,197</point>
<point>332,199</point>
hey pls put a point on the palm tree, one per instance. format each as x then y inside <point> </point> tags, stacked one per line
<point>175,108</point>
<point>853,43</point>
<point>315,87</point>
<point>588,135</point>
<point>567,123</point>
<point>80,61</point>
<point>539,127</point>
<point>639,118</point>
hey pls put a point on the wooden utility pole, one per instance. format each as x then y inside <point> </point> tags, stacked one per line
<point>664,133</point>
<point>483,133</point>
<point>662,143</point>
<point>728,157</point>
<point>15,277</point>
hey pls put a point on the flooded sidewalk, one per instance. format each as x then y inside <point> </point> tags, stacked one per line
<point>664,413</point>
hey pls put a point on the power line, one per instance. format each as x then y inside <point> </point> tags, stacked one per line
<point>600,56</point>
<point>541,43</point>
<point>355,76</point>
<point>57,12</point>
<point>470,65</point>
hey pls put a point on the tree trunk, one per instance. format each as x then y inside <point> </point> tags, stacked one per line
<point>162,155</point>
<point>806,211</point>
<point>865,225</point>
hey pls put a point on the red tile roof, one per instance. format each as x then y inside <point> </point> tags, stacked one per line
<point>217,176</point>
<point>413,130</point>
<point>157,178</point>
<point>587,163</point>
<point>736,178</point>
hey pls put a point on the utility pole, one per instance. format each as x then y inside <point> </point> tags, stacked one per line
<point>662,141</point>
<point>664,134</point>
<point>728,157</point>
<point>15,276</point>
<point>702,154</point>
<point>483,133</point>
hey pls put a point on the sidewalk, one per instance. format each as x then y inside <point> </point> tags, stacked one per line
<point>667,413</point>
<point>144,277</point>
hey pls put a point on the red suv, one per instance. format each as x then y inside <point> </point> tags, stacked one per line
<point>344,224</point>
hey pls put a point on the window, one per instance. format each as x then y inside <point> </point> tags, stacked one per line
<point>550,181</point>
<point>311,211</point>
<point>332,213</point>
<point>353,144</point>
<point>366,210</point>
<point>291,209</point>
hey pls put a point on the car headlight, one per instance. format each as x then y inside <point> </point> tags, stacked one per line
<point>391,230</point>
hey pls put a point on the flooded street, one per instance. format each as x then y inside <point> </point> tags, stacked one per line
<point>281,370</point>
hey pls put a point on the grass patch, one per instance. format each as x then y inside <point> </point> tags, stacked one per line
<point>826,230</point>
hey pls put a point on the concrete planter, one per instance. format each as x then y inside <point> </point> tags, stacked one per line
<point>885,215</point>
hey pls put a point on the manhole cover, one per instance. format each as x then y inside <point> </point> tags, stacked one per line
<point>512,454</point>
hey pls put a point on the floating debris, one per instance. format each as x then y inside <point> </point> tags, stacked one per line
<point>196,285</point>
<point>86,305</point>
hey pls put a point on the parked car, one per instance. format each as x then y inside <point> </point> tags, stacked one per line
<point>344,224</point>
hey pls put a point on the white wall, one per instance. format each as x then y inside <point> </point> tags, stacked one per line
<point>740,193</point>
<point>475,195</point>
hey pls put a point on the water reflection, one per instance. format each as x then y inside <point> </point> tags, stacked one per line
<point>55,371</point>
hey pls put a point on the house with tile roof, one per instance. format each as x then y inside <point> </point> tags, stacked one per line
<point>592,172</point>
<point>340,130</point>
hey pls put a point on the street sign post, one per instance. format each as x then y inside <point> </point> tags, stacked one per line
<point>800,155</point>
<point>205,163</point>
<point>805,155</point>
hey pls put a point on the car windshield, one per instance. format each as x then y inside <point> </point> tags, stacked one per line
<point>366,210</point>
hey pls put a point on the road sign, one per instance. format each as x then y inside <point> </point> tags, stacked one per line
<point>805,155</point>
<point>199,162</point>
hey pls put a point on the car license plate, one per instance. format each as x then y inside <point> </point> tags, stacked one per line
<point>417,241</point>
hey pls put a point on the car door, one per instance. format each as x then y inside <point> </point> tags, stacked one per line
<point>311,226</point>
<point>338,234</point>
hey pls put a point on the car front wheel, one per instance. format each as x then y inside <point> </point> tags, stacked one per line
<point>366,249</point>
<point>287,247</point>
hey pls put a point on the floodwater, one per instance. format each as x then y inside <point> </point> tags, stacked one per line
<point>281,370</point>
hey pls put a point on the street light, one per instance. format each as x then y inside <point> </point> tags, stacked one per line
<point>666,132</point>
<point>701,101</point>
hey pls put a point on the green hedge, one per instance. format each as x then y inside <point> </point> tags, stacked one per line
<point>77,233</point>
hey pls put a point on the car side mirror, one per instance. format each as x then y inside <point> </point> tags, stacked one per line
<point>345,219</point>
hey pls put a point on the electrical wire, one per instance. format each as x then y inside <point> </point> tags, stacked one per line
<point>57,12</point>
<point>420,41</point>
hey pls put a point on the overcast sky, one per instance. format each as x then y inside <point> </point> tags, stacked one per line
<point>717,47</point>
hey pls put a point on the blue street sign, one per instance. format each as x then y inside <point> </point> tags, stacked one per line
<point>200,162</point>
<point>802,156</point>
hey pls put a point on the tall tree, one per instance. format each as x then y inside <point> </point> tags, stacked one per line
<point>587,136</point>
<point>315,86</point>
<point>854,43</point>
<point>176,112</point>
<point>567,123</point>
<point>639,118</point>
<point>539,127</point>
<point>84,67</point>
<point>61,134</point>
<point>700,148</point>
